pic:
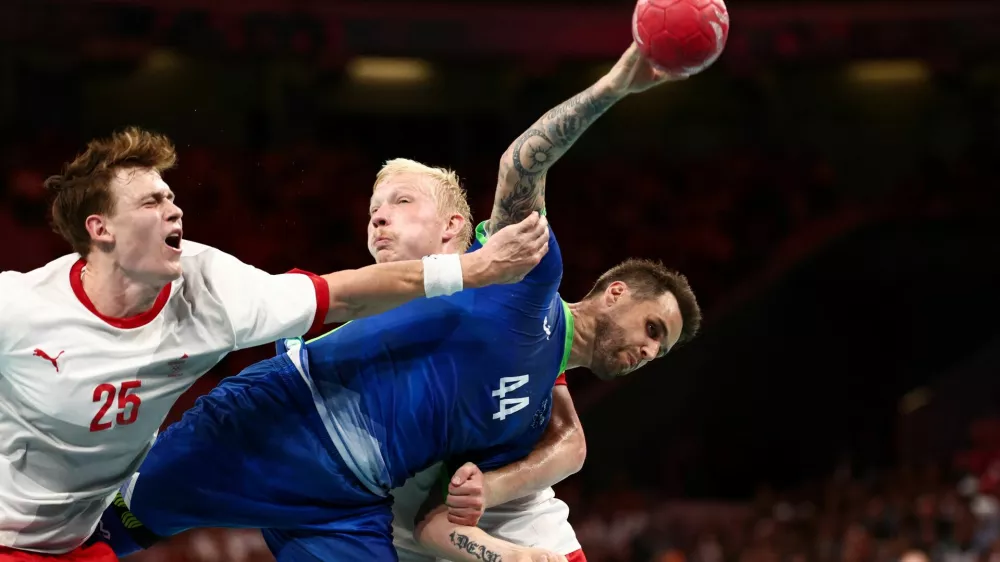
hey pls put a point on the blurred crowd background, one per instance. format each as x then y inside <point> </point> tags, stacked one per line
<point>829,187</point>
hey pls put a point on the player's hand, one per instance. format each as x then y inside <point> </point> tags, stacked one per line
<point>537,555</point>
<point>466,499</point>
<point>634,73</point>
<point>510,253</point>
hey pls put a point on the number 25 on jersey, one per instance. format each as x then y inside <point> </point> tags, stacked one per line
<point>510,406</point>
<point>128,404</point>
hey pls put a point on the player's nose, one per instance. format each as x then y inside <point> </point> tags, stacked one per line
<point>174,212</point>
<point>650,350</point>
<point>380,218</point>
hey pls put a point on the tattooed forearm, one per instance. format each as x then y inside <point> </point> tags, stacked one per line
<point>480,552</point>
<point>521,181</point>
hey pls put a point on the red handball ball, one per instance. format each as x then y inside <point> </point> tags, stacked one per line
<point>681,36</point>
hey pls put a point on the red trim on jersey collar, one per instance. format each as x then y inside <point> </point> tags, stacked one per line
<point>322,301</point>
<point>136,321</point>
<point>561,379</point>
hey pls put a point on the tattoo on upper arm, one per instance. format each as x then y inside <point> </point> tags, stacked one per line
<point>521,181</point>
<point>464,543</point>
<point>567,121</point>
<point>519,192</point>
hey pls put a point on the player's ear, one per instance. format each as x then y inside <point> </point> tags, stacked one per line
<point>615,292</point>
<point>454,226</point>
<point>99,229</point>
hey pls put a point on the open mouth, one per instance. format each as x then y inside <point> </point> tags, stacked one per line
<point>174,241</point>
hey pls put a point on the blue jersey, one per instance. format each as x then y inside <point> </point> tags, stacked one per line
<point>462,378</point>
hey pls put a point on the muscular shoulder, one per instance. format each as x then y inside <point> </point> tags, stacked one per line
<point>11,287</point>
<point>203,264</point>
<point>14,284</point>
<point>197,263</point>
<point>195,256</point>
<point>57,269</point>
<point>548,273</point>
<point>25,295</point>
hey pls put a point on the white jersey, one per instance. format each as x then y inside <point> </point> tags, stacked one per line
<point>539,520</point>
<point>82,395</point>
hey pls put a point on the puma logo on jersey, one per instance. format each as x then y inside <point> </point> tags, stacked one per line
<point>45,356</point>
<point>546,329</point>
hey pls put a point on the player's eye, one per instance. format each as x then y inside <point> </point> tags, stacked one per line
<point>404,200</point>
<point>652,330</point>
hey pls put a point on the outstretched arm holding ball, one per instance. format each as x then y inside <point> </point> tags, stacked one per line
<point>674,39</point>
<point>521,180</point>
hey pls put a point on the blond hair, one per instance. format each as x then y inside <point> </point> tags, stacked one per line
<point>84,186</point>
<point>446,189</point>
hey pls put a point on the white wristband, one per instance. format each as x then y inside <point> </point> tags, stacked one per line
<point>442,275</point>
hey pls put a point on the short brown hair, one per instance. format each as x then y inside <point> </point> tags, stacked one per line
<point>83,187</point>
<point>648,279</point>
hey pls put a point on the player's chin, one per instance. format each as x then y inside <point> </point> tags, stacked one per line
<point>622,370</point>
<point>384,255</point>
<point>171,271</point>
